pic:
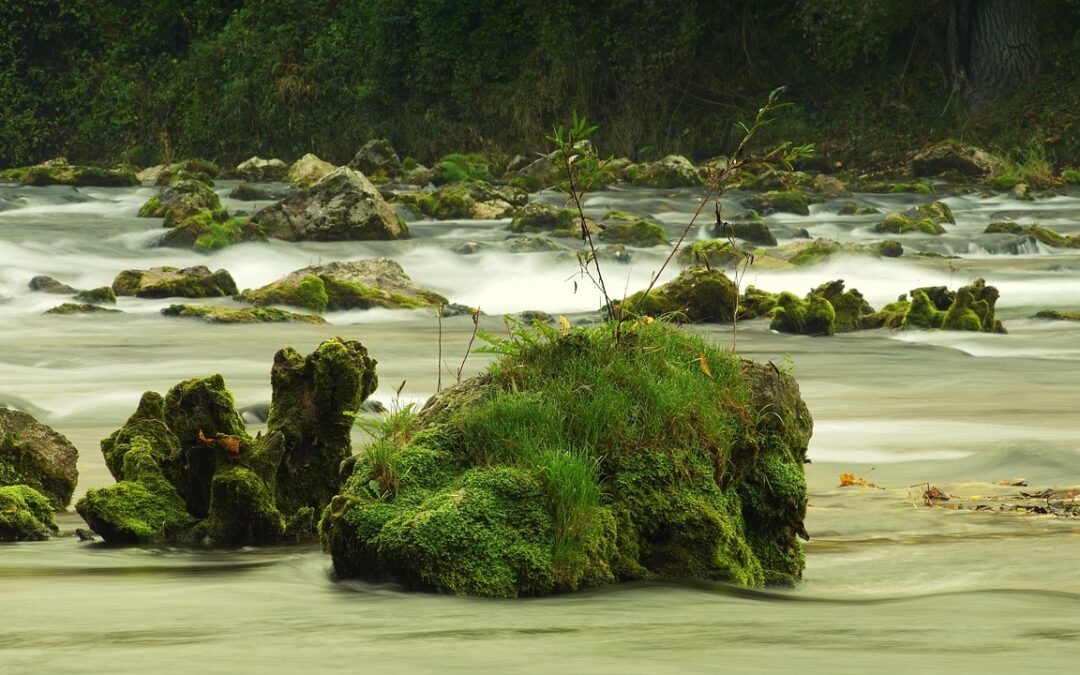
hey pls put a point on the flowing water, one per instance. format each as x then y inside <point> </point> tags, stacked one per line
<point>890,585</point>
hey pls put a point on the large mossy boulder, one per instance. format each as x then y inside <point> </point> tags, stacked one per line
<point>377,158</point>
<point>781,201</point>
<point>186,468</point>
<point>343,206</point>
<point>308,170</point>
<point>969,308</point>
<point>470,200</point>
<point>585,459</point>
<point>59,172</point>
<point>25,514</point>
<point>360,284</point>
<point>35,455</point>
<point>179,200</point>
<point>696,295</point>
<point>953,156</point>
<point>259,170</point>
<point>168,282</point>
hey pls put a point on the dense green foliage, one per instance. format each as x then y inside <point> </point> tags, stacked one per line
<point>144,82</point>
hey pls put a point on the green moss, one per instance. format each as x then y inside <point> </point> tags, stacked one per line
<point>922,313</point>
<point>344,295</point>
<point>1071,176</point>
<point>579,460</point>
<point>710,253</point>
<point>1003,182</point>
<point>537,217</point>
<point>461,167</point>
<point>249,193</point>
<point>97,295</point>
<point>310,293</point>
<point>20,465</point>
<point>783,201</point>
<point>25,514</point>
<point>853,209</point>
<point>890,316</point>
<point>76,308</point>
<point>1057,315</point>
<point>818,251</point>
<point>813,316</point>
<point>246,315</point>
<point>899,223</point>
<point>885,187</point>
<point>695,295</point>
<point>242,509</point>
<point>640,233</point>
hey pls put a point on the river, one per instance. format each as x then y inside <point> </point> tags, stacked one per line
<point>890,585</point>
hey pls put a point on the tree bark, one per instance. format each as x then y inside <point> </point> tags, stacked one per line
<point>1003,52</point>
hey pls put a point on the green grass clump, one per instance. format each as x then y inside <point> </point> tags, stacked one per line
<point>582,457</point>
<point>462,167</point>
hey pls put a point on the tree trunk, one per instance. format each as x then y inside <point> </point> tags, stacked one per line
<point>1003,52</point>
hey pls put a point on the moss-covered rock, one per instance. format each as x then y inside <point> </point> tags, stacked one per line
<point>362,284</point>
<point>853,209</point>
<point>696,295</point>
<point>890,316</point>
<point>187,469</point>
<point>1071,176</point>
<point>81,308</point>
<point>313,398</point>
<point>640,233</point>
<point>46,284</point>
<point>212,230</point>
<point>781,201</point>
<point>953,156</point>
<point>179,200</point>
<point>1057,315</point>
<point>531,245</point>
<point>59,172</point>
<point>970,308</point>
<point>35,455</point>
<point>167,282</point>
<point>1042,234</point>
<point>496,489</point>
<point>536,217</point>
<point>754,231</point>
<point>673,171</point>
<point>826,310</point>
<point>25,514</point>
<point>212,314</point>
<point>888,187</point>
<point>926,218</point>
<point>468,200</point>
<point>343,206</point>
<point>377,157</point>
<point>98,296</point>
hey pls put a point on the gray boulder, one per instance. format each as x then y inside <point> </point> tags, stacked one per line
<point>343,206</point>
<point>377,157</point>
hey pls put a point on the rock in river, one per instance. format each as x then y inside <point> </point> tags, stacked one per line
<point>33,454</point>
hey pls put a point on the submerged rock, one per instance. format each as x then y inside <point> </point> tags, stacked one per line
<point>1041,234</point>
<point>186,468</point>
<point>25,514</point>
<point>59,172</point>
<point>33,454</point>
<point>309,170</point>
<point>81,308</point>
<point>212,230</point>
<point>494,489</point>
<point>1057,315</point>
<point>536,217</point>
<point>753,231</point>
<point>179,200</point>
<point>640,233</point>
<point>211,314</point>
<point>167,282</point>
<point>259,170</point>
<point>343,206</point>
<point>249,193</point>
<point>362,284</point>
<point>46,284</point>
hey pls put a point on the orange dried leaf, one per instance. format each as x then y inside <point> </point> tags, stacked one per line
<point>231,444</point>
<point>849,479</point>
<point>704,365</point>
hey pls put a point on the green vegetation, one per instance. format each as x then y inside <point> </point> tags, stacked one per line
<point>117,81</point>
<point>580,458</point>
<point>25,514</point>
